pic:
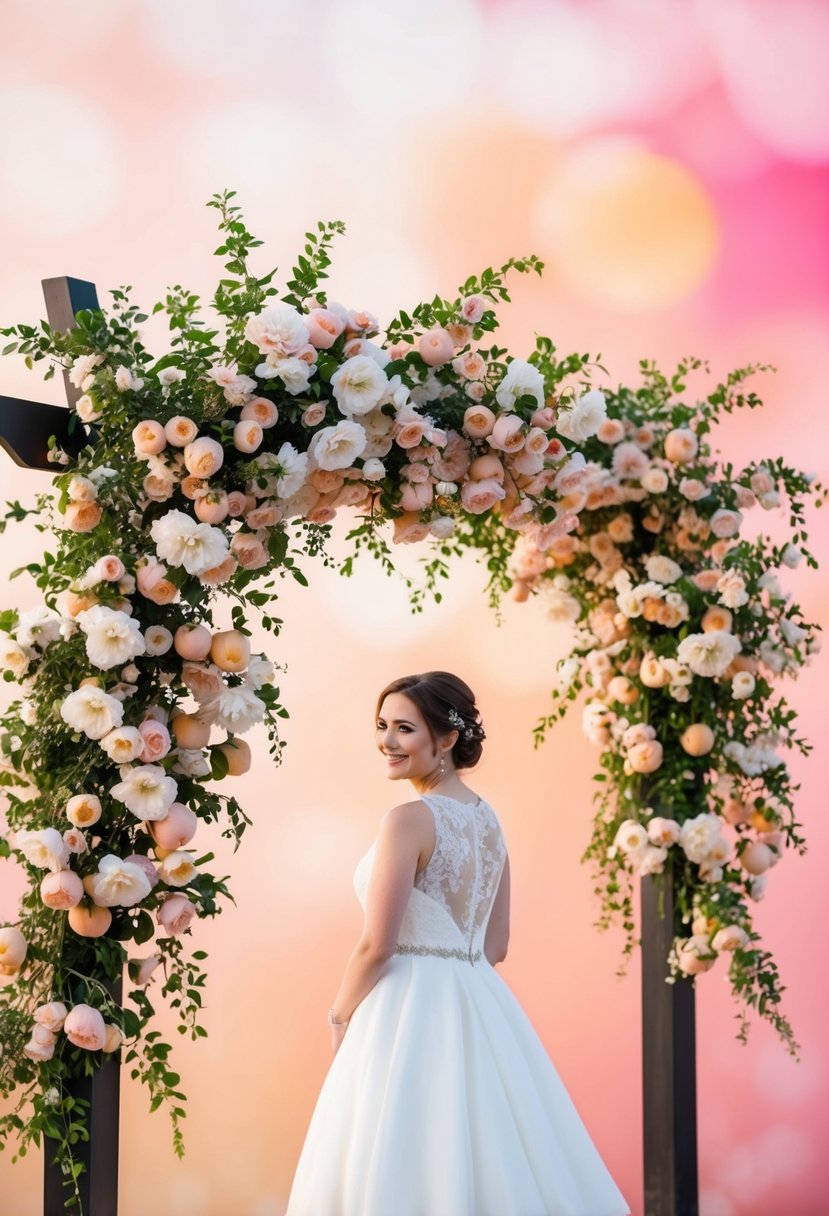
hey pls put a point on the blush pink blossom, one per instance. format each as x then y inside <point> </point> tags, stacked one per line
<point>410,433</point>
<point>84,1026</point>
<point>149,438</point>
<point>156,741</point>
<point>61,890</point>
<point>507,433</point>
<point>470,366</point>
<point>324,328</point>
<point>472,309</point>
<point>480,496</point>
<point>175,914</point>
<point>52,1015</point>
<point>264,516</point>
<point>237,502</point>
<point>436,347</point>
<point>247,436</point>
<point>409,528</point>
<point>313,415</point>
<point>109,569</point>
<point>261,410</point>
<point>249,551</point>
<point>415,496</point>
<point>478,421</point>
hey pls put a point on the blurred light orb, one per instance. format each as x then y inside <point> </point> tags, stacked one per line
<point>60,163</point>
<point>626,228</point>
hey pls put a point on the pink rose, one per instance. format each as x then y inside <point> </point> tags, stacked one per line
<point>237,501</point>
<point>478,421</point>
<point>436,347</point>
<point>215,575</point>
<point>536,441</point>
<point>480,496</point>
<point>452,462</point>
<point>211,508</point>
<point>681,445</point>
<point>203,680</point>
<point>314,414</point>
<point>706,580</point>
<point>41,1045</point>
<point>62,890</point>
<point>323,328</point>
<point>149,437</point>
<point>203,457</point>
<point>472,309</point>
<point>146,966</point>
<point>144,863</point>
<point>109,569</point>
<point>153,583</point>
<point>543,418</point>
<point>359,321</point>
<point>460,334</point>
<point>82,516</point>
<point>265,516</point>
<point>84,1027</point>
<point>610,431</point>
<point>693,489</point>
<point>526,464</point>
<point>471,366</point>
<point>725,523</point>
<point>247,436</point>
<point>75,840</point>
<point>180,431</point>
<point>326,480</point>
<point>175,914</point>
<point>322,513</point>
<point>507,433</point>
<point>410,433</point>
<point>351,495</point>
<point>475,390</point>
<point>415,496</point>
<point>694,955</point>
<point>156,741</point>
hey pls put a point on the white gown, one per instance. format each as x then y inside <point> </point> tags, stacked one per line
<point>441,1100</point>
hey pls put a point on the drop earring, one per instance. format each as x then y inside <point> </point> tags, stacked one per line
<point>442,766</point>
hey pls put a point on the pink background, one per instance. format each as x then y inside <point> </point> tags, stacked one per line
<point>667,161</point>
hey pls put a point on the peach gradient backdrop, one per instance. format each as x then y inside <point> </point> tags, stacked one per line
<point>667,161</point>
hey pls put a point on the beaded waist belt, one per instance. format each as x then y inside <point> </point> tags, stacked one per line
<point>440,952</point>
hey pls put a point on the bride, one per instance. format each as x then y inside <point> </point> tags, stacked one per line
<point>440,1099</point>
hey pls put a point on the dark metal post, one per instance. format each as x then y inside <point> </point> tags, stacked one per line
<point>668,1063</point>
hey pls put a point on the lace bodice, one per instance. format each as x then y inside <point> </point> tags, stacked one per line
<point>452,896</point>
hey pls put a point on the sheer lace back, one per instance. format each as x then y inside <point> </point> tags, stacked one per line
<point>452,896</point>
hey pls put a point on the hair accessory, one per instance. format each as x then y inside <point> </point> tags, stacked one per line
<point>458,722</point>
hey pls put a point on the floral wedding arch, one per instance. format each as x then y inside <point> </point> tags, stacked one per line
<point>221,464</point>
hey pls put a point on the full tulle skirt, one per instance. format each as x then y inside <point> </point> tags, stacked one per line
<point>442,1101</point>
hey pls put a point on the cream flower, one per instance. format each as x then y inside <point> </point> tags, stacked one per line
<point>235,710</point>
<point>584,418</point>
<point>119,883</point>
<point>359,385</point>
<point>662,569</point>
<point>337,447</point>
<point>260,671</point>
<point>291,470</point>
<point>157,639</point>
<point>123,744</point>
<point>146,790</point>
<point>91,710</point>
<point>732,590</point>
<point>280,330</point>
<point>14,658</point>
<point>697,836</point>
<point>45,848</point>
<point>112,637</point>
<point>708,654</point>
<point>38,627</point>
<point>742,685</point>
<point>181,541</point>
<point>521,380</point>
<point>177,870</point>
<point>631,837</point>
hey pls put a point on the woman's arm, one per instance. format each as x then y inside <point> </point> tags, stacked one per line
<point>496,939</point>
<point>399,844</point>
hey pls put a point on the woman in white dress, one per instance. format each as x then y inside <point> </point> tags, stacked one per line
<point>440,1099</point>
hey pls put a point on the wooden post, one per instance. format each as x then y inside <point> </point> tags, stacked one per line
<point>668,1063</point>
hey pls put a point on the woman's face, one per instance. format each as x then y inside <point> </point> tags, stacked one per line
<point>403,738</point>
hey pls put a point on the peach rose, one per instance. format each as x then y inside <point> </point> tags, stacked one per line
<point>484,467</point>
<point>436,347</point>
<point>52,1015</point>
<point>460,334</point>
<point>177,828</point>
<point>175,914</point>
<point>193,487</point>
<point>314,414</point>
<point>192,641</point>
<point>261,410</point>
<point>653,673</point>
<point>190,730</point>
<point>410,433</point>
<point>83,810</point>
<point>203,457</point>
<point>646,757</point>
<point>153,583</point>
<point>620,689</point>
<point>249,551</point>
<point>697,739</point>
<point>706,580</point>
<point>610,431</point>
<point>326,480</point>
<point>478,421</point>
<point>61,890</point>
<point>470,366</point>
<point>695,955</point>
<point>247,435</point>
<point>89,921</point>
<point>13,949</point>
<point>215,575</point>
<point>264,516</point>
<point>180,431</point>
<point>205,682</point>
<point>41,1045</point>
<point>84,1026</point>
<point>324,328</point>
<point>82,516</point>
<point>507,433</point>
<point>725,523</point>
<point>149,437</point>
<point>113,1038</point>
<point>472,309</point>
<point>230,650</point>
<point>409,528</point>
<point>211,508</point>
<point>663,832</point>
<point>681,445</point>
<point>717,618</point>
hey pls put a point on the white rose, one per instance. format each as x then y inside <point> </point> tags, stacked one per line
<point>82,367</point>
<point>792,632</point>
<point>119,883</point>
<point>279,329</point>
<point>14,658</point>
<point>38,627</point>
<point>651,860</point>
<point>771,656</point>
<point>698,835</point>
<point>157,639</point>
<point>561,606</point>
<point>177,870</point>
<point>337,447</point>
<point>294,373</point>
<point>91,710</point>
<point>373,469</point>
<point>292,469</point>
<point>791,556</point>
<point>655,480</point>
<point>584,418</point>
<point>442,526</point>
<point>260,671</point>
<point>359,385</point>
<point>662,569</point>
<point>146,790</point>
<point>732,589</point>
<point>631,837</point>
<point>235,710</point>
<point>45,848</point>
<point>181,541</point>
<point>191,762</point>
<point>708,654</point>
<point>123,744</point>
<point>112,637</point>
<point>742,685</point>
<point>169,376</point>
<point>521,380</point>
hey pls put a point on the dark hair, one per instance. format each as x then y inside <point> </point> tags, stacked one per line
<point>436,693</point>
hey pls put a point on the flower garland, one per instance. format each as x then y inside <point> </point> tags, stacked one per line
<point>218,464</point>
<point>683,632</point>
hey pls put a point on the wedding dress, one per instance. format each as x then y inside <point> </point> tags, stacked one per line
<point>441,1100</point>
